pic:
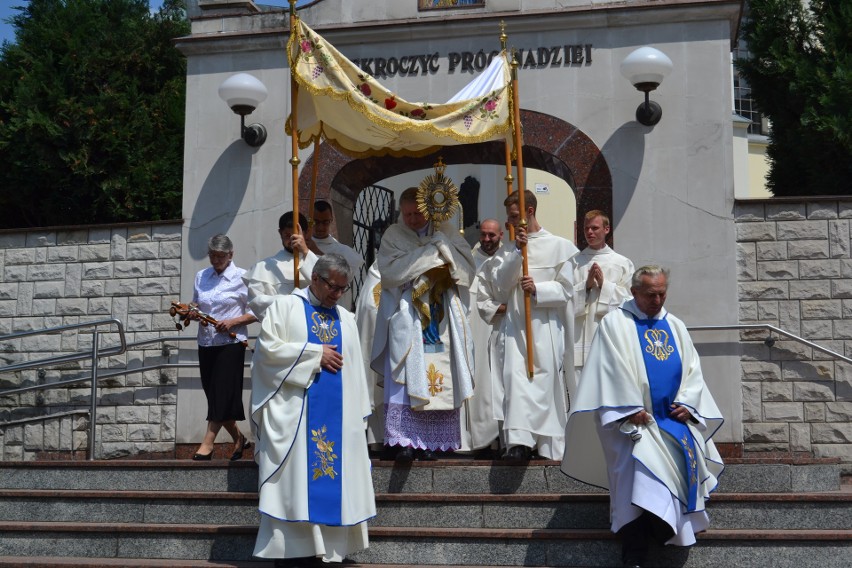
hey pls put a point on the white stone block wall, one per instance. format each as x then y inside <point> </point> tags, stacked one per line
<point>54,277</point>
<point>795,272</point>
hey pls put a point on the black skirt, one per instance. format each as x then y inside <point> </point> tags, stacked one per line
<point>222,381</point>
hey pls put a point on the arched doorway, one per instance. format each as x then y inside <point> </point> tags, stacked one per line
<point>550,144</point>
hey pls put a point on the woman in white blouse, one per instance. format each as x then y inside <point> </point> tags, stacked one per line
<point>221,294</point>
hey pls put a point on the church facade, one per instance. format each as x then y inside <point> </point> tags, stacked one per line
<point>669,188</point>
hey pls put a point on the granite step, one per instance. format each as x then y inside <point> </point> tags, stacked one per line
<point>780,511</point>
<point>444,476</point>
<point>442,546</point>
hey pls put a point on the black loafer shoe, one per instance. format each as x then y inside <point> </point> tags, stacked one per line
<point>405,455</point>
<point>202,457</point>
<point>518,453</point>
<point>428,455</point>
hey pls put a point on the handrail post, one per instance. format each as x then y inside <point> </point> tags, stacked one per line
<point>93,410</point>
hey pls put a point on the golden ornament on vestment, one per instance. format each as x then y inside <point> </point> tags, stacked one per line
<point>658,344</point>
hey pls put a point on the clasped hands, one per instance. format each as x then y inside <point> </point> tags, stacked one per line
<point>595,278</point>
<point>642,418</point>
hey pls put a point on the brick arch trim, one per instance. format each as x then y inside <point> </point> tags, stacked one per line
<point>550,144</point>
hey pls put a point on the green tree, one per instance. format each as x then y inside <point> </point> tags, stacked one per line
<point>92,97</point>
<point>800,73</point>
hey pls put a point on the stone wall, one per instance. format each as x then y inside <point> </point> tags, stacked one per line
<point>55,277</point>
<point>795,272</point>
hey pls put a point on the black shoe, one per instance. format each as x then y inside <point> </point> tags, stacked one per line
<point>405,455</point>
<point>428,455</point>
<point>518,453</point>
<point>238,455</point>
<point>203,457</point>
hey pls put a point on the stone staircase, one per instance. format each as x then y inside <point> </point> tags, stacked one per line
<point>179,513</point>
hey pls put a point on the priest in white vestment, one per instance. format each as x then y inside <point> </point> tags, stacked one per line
<point>479,426</point>
<point>366,311</point>
<point>602,283</point>
<point>274,276</point>
<point>534,409</point>
<point>423,346</point>
<point>322,242</point>
<point>643,392</point>
<point>309,409</point>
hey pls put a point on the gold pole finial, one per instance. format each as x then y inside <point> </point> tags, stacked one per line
<point>503,36</point>
<point>515,64</point>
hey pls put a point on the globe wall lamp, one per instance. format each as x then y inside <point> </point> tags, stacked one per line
<point>243,93</point>
<point>646,68</point>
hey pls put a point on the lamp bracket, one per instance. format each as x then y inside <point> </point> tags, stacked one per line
<point>253,134</point>
<point>649,113</point>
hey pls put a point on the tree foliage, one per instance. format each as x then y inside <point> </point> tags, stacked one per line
<point>92,113</point>
<point>800,74</point>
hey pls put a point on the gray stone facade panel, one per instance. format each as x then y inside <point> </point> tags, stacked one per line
<point>55,278</point>
<point>796,399</point>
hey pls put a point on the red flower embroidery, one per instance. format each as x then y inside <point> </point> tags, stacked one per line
<point>390,103</point>
<point>306,46</point>
<point>365,89</point>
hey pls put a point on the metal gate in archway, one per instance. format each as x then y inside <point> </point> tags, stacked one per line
<point>374,209</point>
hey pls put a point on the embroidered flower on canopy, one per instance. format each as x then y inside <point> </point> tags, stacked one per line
<point>324,453</point>
<point>488,107</point>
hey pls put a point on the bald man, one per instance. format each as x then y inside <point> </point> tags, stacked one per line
<point>479,425</point>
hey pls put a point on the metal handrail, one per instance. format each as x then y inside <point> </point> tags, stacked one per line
<point>94,356</point>
<point>116,350</point>
<point>770,341</point>
<point>96,353</point>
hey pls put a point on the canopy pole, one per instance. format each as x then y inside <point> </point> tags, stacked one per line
<point>314,176</point>
<point>519,162</point>
<point>294,137</point>
<point>507,142</point>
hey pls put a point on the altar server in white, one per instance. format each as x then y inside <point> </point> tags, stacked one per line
<point>423,347</point>
<point>366,311</point>
<point>322,242</point>
<point>643,391</point>
<point>479,425</point>
<point>534,409</point>
<point>601,284</point>
<point>274,275</point>
<point>309,408</point>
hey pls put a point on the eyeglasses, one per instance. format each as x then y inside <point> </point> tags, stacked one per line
<point>334,288</point>
<point>218,255</point>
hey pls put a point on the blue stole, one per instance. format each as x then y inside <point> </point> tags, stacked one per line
<point>664,369</point>
<point>324,403</point>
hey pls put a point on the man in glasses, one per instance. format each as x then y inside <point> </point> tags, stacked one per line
<point>309,407</point>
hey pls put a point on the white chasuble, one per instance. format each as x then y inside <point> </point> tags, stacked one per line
<point>422,329</point>
<point>649,473</point>
<point>296,448</point>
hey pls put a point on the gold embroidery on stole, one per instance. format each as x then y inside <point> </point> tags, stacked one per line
<point>658,344</point>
